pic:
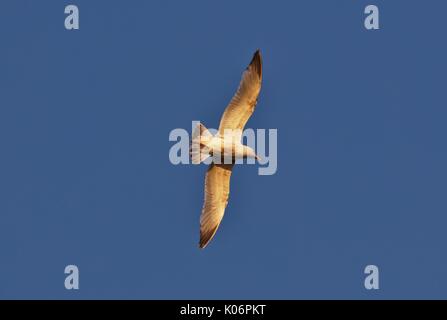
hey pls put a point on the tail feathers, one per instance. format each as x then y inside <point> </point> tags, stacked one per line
<point>199,149</point>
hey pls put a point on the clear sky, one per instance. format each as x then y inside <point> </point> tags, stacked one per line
<point>85,176</point>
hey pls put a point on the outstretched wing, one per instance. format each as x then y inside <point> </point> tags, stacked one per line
<point>217,189</point>
<point>243,104</point>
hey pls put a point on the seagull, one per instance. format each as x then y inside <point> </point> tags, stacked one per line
<point>226,145</point>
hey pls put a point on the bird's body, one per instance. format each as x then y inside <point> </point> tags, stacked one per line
<point>225,148</point>
<point>228,148</point>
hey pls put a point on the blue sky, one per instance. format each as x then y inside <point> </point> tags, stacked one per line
<point>85,177</point>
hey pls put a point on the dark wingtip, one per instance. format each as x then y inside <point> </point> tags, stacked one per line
<point>203,243</point>
<point>205,237</point>
<point>204,240</point>
<point>256,62</point>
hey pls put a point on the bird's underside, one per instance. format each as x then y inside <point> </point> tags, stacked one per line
<point>217,180</point>
<point>222,150</point>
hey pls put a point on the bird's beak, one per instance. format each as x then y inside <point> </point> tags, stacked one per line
<point>258,158</point>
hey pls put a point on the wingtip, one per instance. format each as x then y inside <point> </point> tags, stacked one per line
<point>206,237</point>
<point>204,240</point>
<point>203,244</point>
<point>256,56</point>
<point>256,62</point>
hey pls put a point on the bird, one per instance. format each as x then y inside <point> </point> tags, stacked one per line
<point>226,145</point>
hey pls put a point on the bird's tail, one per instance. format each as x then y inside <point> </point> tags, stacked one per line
<point>200,149</point>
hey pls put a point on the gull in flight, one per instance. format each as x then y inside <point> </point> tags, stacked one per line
<point>226,145</point>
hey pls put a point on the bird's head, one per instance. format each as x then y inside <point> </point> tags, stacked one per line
<point>250,153</point>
